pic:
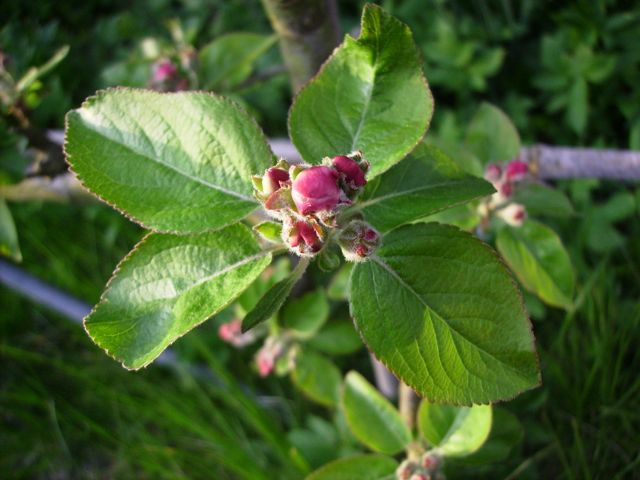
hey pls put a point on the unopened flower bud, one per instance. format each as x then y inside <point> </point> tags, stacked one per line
<point>513,214</point>
<point>350,171</point>
<point>405,470</point>
<point>302,237</point>
<point>163,71</point>
<point>493,173</point>
<point>506,189</point>
<point>316,189</point>
<point>358,240</point>
<point>266,357</point>
<point>273,179</point>
<point>516,170</point>
<point>231,332</point>
<point>430,461</point>
<point>420,476</point>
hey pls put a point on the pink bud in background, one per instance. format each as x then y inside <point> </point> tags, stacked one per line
<point>163,70</point>
<point>513,214</point>
<point>516,170</point>
<point>493,173</point>
<point>265,362</point>
<point>506,189</point>
<point>273,179</point>
<point>351,172</point>
<point>316,189</point>
<point>231,332</point>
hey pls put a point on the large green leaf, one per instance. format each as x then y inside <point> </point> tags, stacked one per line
<point>371,418</point>
<point>8,236</point>
<point>491,136</point>
<point>439,308</point>
<point>542,200</point>
<point>454,431</point>
<point>168,285</point>
<point>370,95</point>
<point>229,59</point>
<point>536,255</point>
<point>174,162</point>
<point>317,377</point>
<point>424,183</point>
<point>359,467</point>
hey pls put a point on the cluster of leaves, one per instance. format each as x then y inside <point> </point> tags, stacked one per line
<point>580,57</point>
<point>200,258</point>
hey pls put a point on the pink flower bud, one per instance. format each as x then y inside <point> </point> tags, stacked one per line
<point>405,470</point>
<point>227,331</point>
<point>358,240</point>
<point>513,214</point>
<point>516,170</point>
<point>302,237</point>
<point>493,173</point>
<point>164,70</point>
<point>420,476</point>
<point>430,461</point>
<point>350,171</point>
<point>506,189</point>
<point>316,189</point>
<point>265,363</point>
<point>273,179</point>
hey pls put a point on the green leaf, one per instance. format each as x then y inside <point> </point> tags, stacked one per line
<point>491,136</point>
<point>273,299</point>
<point>578,106</point>
<point>506,433</point>
<point>358,467</point>
<point>306,314</point>
<point>8,235</point>
<point>370,95</point>
<point>337,289</point>
<point>424,183</point>
<point>440,310</point>
<point>542,200</point>
<point>316,441</point>
<point>317,377</point>
<point>372,419</point>
<point>170,284</point>
<point>228,60</point>
<point>536,255</point>
<point>34,73</point>
<point>454,431</point>
<point>270,231</point>
<point>174,162</point>
<point>338,338</point>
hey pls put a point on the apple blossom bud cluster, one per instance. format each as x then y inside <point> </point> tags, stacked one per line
<point>231,332</point>
<point>277,354</point>
<point>428,467</point>
<point>308,199</point>
<point>167,77</point>
<point>504,180</point>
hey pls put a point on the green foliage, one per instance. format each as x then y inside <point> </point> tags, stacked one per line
<point>536,255</point>
<point>168,285</point>
<point>8,236</point>
<point>370,95</point>
<point>504,435</point>
<point>273,299</point>
<point>360,467</point>
<point>426,182</point>
<point>337,338</point>
<point>371,418</point>
<point>229,60</point>
<point>306,315</point>
<point>317,377</point>
<point>541,200</point>
<point>181,184</point>
<point>454,431</point>
<point>418,305</point>
<point>491,136</point>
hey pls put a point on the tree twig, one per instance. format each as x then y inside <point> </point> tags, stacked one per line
<point>308,32</point>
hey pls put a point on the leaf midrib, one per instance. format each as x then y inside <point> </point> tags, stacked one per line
<point>102,133</point>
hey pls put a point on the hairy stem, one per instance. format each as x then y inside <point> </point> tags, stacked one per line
<point>407,403</point>
<point>308,32</point>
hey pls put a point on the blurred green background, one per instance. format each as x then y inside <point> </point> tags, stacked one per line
<point>567,73</point>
